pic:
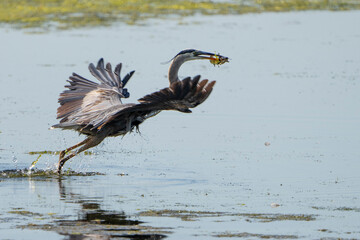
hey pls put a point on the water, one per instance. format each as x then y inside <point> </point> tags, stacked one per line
<point>272,153</point>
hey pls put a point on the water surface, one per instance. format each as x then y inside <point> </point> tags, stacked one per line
<point>273,153</point>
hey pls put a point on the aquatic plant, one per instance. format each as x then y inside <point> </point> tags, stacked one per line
<point>86,13</point>
<point>262,217</point>
<point>54,152</point>
<point>41,174</point>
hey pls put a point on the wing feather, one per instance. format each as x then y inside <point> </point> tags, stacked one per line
<point>85,101</point>
<point>112,75</point>
<point>105,75</point>
<point>117,72</point>
<point>181,96</point>
<point>127,78</point>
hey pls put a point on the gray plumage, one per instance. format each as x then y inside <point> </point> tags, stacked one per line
<point>97,110</point>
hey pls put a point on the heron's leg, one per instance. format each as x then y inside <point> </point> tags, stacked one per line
<point>63,152</point>
<point>89,143</point>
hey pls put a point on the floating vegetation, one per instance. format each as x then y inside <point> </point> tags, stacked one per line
<point>87,13</point>
<point>122,174</point>
<point>254,235</point>
<point>352,209</point>
<point>44,152</point>
<point>22,173</point>
<point>347,209</point>
<point>262,217</point>
<point>55,152</point>
<point>185,215</point>
<point>24,213</point>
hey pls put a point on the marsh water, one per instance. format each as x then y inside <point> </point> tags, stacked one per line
<point>273,153</point>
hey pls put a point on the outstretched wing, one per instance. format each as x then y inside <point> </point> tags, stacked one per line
<point>181,96</point>
<point>87,98</point>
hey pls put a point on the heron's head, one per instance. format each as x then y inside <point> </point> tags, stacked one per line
<point>193,54</point>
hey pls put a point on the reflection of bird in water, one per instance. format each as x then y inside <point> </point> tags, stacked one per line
<point>91,221</point>
<point>97,111</point>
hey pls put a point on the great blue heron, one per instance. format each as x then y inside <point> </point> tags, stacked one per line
<point>97,111</point>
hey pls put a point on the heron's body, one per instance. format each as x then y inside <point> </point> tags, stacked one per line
<point>97,110</point>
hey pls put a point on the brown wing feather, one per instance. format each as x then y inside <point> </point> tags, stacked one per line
<point>180,96</point>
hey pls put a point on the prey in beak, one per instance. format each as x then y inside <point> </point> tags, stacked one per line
<point>214,58</point>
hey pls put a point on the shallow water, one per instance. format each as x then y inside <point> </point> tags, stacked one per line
<point>273,153</point>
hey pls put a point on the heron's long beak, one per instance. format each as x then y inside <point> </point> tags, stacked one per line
<point>204,55</point>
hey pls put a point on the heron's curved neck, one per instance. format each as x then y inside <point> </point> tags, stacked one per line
<point>174,68</point>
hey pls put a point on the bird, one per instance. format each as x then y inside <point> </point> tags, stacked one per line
<point>97,110</point>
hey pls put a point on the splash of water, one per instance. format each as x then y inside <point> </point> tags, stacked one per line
<point>14,159</point>
<point>33,164</point>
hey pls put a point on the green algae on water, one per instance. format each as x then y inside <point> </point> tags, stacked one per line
<point>38,173</point>
<point>262,217</point>
<point>88,13</point>
<point>247,235</point>
<point>353,209</point>
<point>55,152</point>
<point>184,215</point>
<point>187,215</point>
<point>347,209</point>
<point>24,213</point>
